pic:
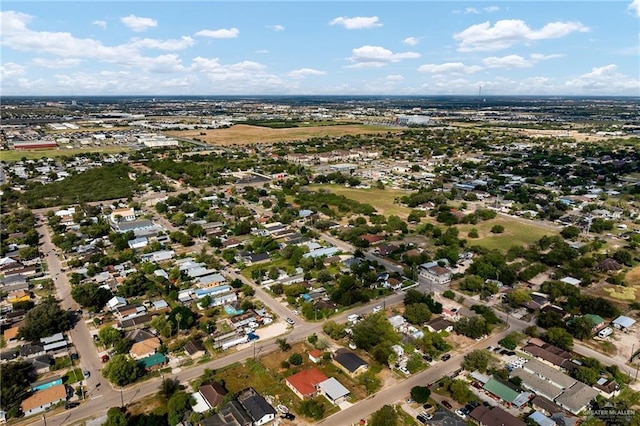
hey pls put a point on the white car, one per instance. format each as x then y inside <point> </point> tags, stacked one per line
<point>290,321</point>
<point>377,309</point>
<point>460,414</point>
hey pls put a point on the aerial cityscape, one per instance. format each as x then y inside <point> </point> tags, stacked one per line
<point>320,213</point>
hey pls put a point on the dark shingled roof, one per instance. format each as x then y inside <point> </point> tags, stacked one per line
<point>348,360</point>
<point>255,404</point>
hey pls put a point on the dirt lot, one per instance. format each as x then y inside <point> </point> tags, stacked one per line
<point>242,134</point>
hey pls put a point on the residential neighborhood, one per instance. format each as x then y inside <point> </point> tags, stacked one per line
<point>425,271</point>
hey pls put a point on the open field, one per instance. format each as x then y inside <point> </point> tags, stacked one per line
<point>381,199</point>
<point>624,294</point>
<point>516,233</point>
<point>33,154</point>
<point>242,134</point>
<point>633,276</point>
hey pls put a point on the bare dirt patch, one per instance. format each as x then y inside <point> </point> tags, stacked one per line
<point>243,134</point>
<point>633,276</point>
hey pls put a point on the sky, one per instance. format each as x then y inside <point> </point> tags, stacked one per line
<point>422,48</point>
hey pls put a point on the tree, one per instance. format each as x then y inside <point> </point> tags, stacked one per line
<point>420,394</point>
<point>109,336</point>
<point>116,416</point>
<point>312,408</point>
<point>178,405</point>
<point>334,330</point>
<point>44,320</point>
<point>586,375</point>
<point>559,337</point>
<point>91,296</point>
<point>479,359</point>
<point>14,381</point>
<point>295,359</point>
<point>385,416</point>
<point>580,327</point>
<point>550,319</point>
<point>373,330</point>
<point>497,229</point>
<point>121,370</point>
<point>283,344</point>
<point>473,327</point>
<point>472,284</point>
<point>417,313</point>
<point>460,391</point>
<point>168,387</point>
<point>181,317</point>
<point>449,294</point>
<point>570,232</point>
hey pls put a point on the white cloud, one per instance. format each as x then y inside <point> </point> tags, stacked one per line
<point>506,33</point>
<point>449,68</point>
<point>357,22</point>
<point>394,77</point>
<point>411,41</point>
<point>57,63</point>
<point>509,61</point>
<point>491,9</point>
<point>138,24</point>
<point>221,33</point>
<point>168,45</point>
<point>262,51</point>
<point>11,70</point>
<point>303,72</point>
<point>542,57</point>
<point>471,10</point>
<point>634,8</point>
<point>101,24</point>
<point>377,56</point>
<point>605,78</point>
<point>276,27</point>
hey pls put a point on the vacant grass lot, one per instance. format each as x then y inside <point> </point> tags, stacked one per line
<point>34,154</point>
<point>381,199</point>
<point>515,233</point>
<point>243,134</point>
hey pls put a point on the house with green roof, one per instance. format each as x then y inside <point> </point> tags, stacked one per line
<point>153,362</point>
<point>506,393</point>
<point>597,320</point>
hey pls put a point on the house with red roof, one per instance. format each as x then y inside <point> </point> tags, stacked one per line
<point>305,383</point>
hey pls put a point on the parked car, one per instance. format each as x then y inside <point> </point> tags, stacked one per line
<point>460,414</point>
<point>70,405</point>
<point>105,358</point>
<point>447,404</point>
<point>290,321</point>
<point>446,357</point>
<point>377,309</point>
<point>288,416</point>
<point>86,374</point>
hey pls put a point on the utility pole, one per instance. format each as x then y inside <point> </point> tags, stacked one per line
<point>44,419</point>
<point>121,398</point>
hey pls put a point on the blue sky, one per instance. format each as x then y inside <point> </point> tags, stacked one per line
<point>330,47</point>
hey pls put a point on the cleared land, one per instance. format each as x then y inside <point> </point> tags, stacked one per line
<point>516,233</point>
<point>243,134</point>
<point>626,294</point>
<point>381,199</point>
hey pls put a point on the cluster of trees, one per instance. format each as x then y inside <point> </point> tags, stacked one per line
<point>375,335</point>
<point>122,370</point>
<point>321,201</point>
<point>479,359</point>
<point>45,319</point>
<point>101,183</point>
<point>15,378</point>
<point>90,295</point>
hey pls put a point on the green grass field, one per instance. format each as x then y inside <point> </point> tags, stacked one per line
<point>381,199</point>
<point>515,233</point>
<point>34,154</point>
